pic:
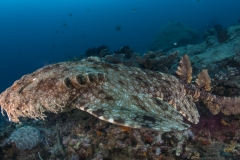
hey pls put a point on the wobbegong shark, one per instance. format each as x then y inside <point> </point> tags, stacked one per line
<point>123,95</point>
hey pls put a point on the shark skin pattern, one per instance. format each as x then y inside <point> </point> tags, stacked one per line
<point>114,93</point>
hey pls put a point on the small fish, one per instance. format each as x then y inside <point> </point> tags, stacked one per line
<point>118,28</point>
<point>134,10</point>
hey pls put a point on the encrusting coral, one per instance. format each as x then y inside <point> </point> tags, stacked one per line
<point>25,137</point>
<point>227,83</point>
<point>118,94</point>
<point>156,60</point>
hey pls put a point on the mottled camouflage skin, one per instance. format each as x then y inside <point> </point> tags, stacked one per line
<point>118,94</point>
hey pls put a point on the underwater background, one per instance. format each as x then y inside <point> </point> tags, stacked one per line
<point>152,35</point>
<point>37,33</point>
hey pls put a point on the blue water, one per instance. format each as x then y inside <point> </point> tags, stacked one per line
<point>39,32</point>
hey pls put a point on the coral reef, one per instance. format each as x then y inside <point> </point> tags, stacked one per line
<point>227,83</point>
<point>157,61</point>
<point>82,135</point>
<point>75,134</point>
<point>213,151</point>
<point>151,60</point>
<point>120,59</point>
<point>126,50</point>
<point>100,51</point>
<point>25,137</point>
<point>124,55</point>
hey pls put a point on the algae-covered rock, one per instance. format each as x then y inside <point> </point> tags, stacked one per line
<point>173,33</point>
